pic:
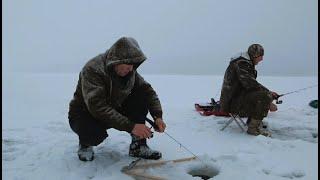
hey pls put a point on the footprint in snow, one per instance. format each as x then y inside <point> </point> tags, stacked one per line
<point>12,149</point>
<point>292,133</point>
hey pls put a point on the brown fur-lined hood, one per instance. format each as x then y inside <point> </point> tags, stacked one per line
<point>125,51</point>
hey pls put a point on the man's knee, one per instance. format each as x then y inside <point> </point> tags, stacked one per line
<point>91,139</point>
<point>257,104</point>
<point>90,131</point>
<point>264,95</point>
<point>260,98</point>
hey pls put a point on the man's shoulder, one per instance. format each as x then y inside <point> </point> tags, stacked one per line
<point>242,62</point>
<point>95,64</point>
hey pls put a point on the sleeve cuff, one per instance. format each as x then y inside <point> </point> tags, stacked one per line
<point>156,115</point>
<point>129,127</point>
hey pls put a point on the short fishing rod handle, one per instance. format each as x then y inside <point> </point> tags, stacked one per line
<point>152,123</point>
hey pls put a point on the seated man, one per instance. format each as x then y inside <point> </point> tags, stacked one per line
<point>112,94</point>
<point>241,94</point>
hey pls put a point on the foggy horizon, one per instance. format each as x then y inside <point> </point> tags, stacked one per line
<point>178,37</point>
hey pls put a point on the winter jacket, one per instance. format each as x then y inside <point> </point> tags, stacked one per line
<point>101,92</point>
<point>239,79</point>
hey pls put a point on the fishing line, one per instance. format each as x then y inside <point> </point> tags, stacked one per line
<point>181,145</point>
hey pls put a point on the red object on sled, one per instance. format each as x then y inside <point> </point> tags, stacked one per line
<point>208,110</point>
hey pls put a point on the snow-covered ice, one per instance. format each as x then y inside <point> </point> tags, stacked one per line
<point>38,143</point>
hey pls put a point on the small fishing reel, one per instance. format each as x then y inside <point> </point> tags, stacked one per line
<point>278,101</point>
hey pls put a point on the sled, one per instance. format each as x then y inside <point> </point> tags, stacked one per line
<point>208,109</point>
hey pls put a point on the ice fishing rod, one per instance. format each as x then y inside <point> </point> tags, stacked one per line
<point>298,90</point>
<point>181,145</point>
<point>279,101</point>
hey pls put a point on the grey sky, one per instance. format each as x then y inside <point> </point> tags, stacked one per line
<point>178,37</point>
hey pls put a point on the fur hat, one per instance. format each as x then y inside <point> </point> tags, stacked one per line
<point>255,50</point>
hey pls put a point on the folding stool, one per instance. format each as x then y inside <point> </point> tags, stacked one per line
<point>237,119</point>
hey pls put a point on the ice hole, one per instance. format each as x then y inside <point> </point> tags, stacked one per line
<point>204,172</point>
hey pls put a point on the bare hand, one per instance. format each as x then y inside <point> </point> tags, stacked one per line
<point>142,131</point>
<point>275,95</point>
<point>273,107</point>
<point>161,125</point>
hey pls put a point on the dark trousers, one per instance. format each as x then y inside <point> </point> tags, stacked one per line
<point>254,104</point>
<point>91,132</point>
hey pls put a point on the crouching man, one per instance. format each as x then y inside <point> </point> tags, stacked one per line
<point>241,94</point>
<point>111,94</point>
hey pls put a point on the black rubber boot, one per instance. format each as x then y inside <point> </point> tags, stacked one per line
<point>85,153</point>
<point>255,129</point>
<point>139,148</point>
